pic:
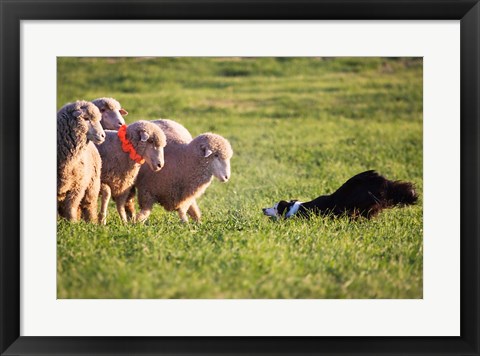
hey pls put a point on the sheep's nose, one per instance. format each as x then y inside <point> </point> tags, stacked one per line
<point>102,135</point>
<point>119,125</point>
<point>159,165</point>
<point>226,178</point>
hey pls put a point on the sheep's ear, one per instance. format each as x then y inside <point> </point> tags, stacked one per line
<point>207,152</point>
<point>123,112</point>
<point>77,113</point>
<point>144,136</point>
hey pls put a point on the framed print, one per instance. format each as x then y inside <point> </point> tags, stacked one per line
<point>284,177</point>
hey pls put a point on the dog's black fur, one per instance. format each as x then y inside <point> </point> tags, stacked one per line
<point>365,194</point>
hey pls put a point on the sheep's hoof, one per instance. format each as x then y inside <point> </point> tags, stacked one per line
<point>139,220</point>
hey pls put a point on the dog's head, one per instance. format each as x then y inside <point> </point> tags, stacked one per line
<point>282,209</point>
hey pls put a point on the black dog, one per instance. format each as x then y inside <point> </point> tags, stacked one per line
<point>365,194</point>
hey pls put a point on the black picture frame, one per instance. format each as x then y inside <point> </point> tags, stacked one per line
<point>13,11</point>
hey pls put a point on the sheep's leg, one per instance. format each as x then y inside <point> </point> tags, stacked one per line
<point>144,214</point>
<point>194,211</point>
<point>146,202</point>
<point>89,209</point>
<point>63,211</point>
<point>71,206</point>
<point>61,207</point>
<point>106,193</point>
<point>130,205</point>
<point>89,201</point>
<point>71,213</point>
<point>121,200</point>
<point>182,214</point>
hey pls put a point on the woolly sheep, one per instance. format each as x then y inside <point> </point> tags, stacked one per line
<point>189,170</point>
<point>175,133</point>
<point>112,113</point>
<point>119,169</point>
<point>78,161</point>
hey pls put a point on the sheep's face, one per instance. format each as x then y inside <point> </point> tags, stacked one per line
<point>216,152</point>
<point>112,119</point>
<point>152,150</point>
<point>219,163</point>
<point>88,120</point>
<point>112,113</point>
<point>221,169</point>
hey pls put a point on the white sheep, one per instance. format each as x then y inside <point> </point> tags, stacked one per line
<point>175,133</point>
<point>189,170</point>
<point>78,161</point>
<point>123,153</point>
<point>112,113</point>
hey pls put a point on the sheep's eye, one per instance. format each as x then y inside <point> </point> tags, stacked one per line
<point>150,140</point>
<point>216,155</point>
<point>86,119</point>
<point>102,110</point>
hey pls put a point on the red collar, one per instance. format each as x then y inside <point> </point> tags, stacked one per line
<point>127,145</point>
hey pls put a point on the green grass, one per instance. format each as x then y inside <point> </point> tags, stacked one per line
<point>299,127</point>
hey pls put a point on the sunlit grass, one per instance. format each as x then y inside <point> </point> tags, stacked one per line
<point>299,128</point>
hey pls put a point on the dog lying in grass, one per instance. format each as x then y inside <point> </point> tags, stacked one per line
<point>363,195</point>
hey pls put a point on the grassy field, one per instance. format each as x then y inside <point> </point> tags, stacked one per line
<point>299,127</point>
